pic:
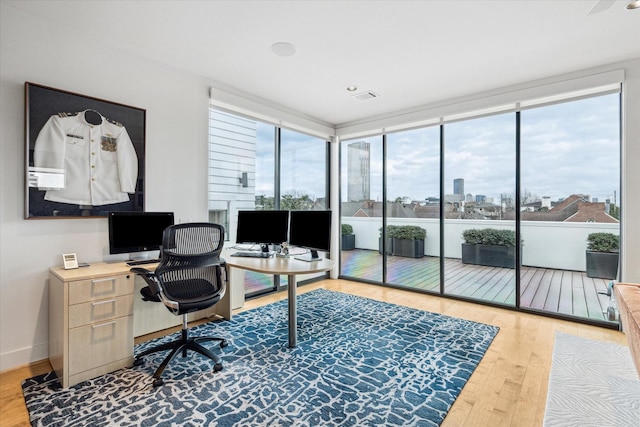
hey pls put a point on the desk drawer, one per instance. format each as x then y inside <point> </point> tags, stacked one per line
<point>100,311</point>
<point>100,288</point>
<point>100,343</point>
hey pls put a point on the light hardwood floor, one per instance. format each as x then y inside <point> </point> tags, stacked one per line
<point>509,387</point>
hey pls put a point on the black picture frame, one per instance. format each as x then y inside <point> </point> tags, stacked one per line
<point>56,108</point>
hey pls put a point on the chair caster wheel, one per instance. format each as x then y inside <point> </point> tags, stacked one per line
<point>223,343</point>
<point>138,362</point>
<point>158,382</point>
<point>217,367</point>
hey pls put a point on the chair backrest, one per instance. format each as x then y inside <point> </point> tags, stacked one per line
<point>190,245</point>
<point>190,265</point>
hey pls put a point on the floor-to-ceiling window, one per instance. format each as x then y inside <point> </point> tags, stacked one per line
<point>361,207</point>
<point>525,199</point>
<point>258,166</point>
<point>413,208</point>
<point>480,188</point>
<point>570,190</point>
<point>303,177</point>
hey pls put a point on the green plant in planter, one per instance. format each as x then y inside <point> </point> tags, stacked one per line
<point>490,247</point>
<point>602,255</point>
<point>346,229</point>
<point>603,242</point>
<point>405,232</point>
<point>490,236</point>
<point>404,240</point>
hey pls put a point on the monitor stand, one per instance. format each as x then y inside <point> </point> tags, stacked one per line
<point>313,256</point>
<point>143,256</point>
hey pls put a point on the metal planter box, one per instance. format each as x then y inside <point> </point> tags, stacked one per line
<point>403,247</point>
<point>489,255</point>
<point>602,265</point>
<point>348,242</point>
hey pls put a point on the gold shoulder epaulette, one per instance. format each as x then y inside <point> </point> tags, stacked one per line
<point>113,122</point>
<point>67,114</point>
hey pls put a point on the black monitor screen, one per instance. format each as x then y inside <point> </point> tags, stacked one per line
<point>262,227</point>
<point>311,230</point>
<point>137,231</point>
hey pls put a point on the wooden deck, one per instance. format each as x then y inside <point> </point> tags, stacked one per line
<point>556,291</point>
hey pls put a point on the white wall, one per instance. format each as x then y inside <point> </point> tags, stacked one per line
<point>630,222</point>
<point>176,161</point>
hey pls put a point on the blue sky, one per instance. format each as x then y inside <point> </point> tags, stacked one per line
<point>566,148</point>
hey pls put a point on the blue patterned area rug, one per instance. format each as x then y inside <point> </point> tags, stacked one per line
<point>359,362</point>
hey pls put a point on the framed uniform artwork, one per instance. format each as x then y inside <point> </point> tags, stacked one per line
<point>84,155</point>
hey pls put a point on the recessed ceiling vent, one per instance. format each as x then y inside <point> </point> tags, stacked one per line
<point>365,96</point>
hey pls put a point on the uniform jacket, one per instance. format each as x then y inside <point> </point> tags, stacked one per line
<point>99,162</point>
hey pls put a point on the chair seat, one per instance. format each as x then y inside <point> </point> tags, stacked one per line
<point>190,294</point>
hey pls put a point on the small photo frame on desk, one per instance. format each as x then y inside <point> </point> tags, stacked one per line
<point>70,261</point>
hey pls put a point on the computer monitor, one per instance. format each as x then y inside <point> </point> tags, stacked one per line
<point>310,230</point>
<point>131,232</point>
<point>262,227</point>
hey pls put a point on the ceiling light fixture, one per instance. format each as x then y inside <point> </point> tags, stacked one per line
<point>352,88</point>
<point>633,4</point>
<point>283,49</point>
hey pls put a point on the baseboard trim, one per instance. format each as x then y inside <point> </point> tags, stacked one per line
<point>23,357</point>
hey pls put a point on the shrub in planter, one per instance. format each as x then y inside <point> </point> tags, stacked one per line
<point>405,240</point>
<point>602,255</point>
<point>490,247</point>
<point>348,238</point>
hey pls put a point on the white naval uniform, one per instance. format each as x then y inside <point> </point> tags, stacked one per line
<point>99,162</point>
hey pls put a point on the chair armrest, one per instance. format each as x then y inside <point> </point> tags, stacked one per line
<point>140,270</point>
<point>152,283</point>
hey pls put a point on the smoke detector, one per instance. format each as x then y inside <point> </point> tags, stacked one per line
<point>365,96</point>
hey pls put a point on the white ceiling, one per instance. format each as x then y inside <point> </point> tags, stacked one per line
<point>411,53</point>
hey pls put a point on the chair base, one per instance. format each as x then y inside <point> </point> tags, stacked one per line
<point>182,344</point>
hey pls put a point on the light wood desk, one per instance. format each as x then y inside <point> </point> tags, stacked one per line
<point>95,312</point>
<point>283,266</point>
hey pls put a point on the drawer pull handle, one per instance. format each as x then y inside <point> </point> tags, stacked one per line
<point>103,324</point>
<point>108,279</point>
<point>103,302</point>
<point>103,286</point>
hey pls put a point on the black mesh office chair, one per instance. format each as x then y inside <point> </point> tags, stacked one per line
<point>191,276</point>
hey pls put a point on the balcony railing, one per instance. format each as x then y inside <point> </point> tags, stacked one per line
<point>546,244</point>
<point>553,268</point>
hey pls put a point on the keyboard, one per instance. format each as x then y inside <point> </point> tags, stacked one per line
<point>253,254</point>
<point>142,261</point>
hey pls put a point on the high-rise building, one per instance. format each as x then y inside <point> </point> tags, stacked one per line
<point>458,187</point>
<point>358,171</point>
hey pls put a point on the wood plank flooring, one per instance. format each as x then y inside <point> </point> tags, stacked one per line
<point>556,291</point>
<point>508,388</point>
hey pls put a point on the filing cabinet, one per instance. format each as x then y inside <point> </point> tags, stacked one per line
<point>90,321</point>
